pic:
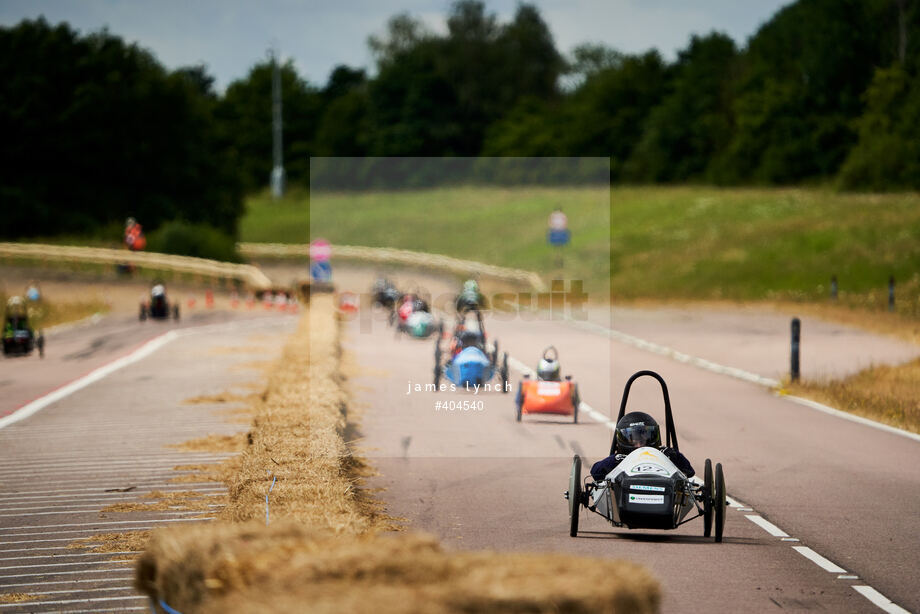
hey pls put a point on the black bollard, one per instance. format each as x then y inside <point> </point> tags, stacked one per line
<point>794,361</point>
<point>833,287</point>
<point>891,293</point>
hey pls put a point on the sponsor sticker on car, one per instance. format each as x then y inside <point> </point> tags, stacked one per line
<point>644,487</point>
<point>647,499</point>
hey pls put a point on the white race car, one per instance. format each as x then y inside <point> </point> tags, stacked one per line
<point>646,490</point>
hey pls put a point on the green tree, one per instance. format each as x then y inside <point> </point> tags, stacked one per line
<point>693,121</point>
<point>887,155</point>
<point>246,114</point>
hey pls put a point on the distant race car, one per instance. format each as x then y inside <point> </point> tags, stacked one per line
<point>385,293</point>
<point>19,338</point>
<point>470,361</point>
<point>157,306</point>
<point>549,393</point>
<point>646,490</point>
<point>413,316</point>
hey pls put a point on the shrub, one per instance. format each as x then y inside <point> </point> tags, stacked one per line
<point>199,240</point>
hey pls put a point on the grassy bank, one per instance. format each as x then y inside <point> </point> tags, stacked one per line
<point>887,394</point>
<point>324,549</point>
<point>650,242</point>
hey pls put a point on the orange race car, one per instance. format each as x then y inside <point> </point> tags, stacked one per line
<point>549,393</point>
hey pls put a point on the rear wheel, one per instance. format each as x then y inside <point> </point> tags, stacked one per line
<point>707,499</point>
<point>143,313</point>
<point>175,312</point>
<point>719,502</point>
<point>504,373</point>
<point>40,342</point>
<point>574,496</point>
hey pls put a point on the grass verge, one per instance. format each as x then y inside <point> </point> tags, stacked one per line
<point>675,242</point>
<point>888,394</point>
<point>325,547</point>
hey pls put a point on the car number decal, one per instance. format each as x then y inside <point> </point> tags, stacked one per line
<point>648,468</point>
<point>644,487</point>
<point>547,389</point>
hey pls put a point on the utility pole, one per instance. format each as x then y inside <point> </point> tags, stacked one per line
<point>277,176</point>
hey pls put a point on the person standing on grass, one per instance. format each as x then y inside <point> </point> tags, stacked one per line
<point>134,235</point>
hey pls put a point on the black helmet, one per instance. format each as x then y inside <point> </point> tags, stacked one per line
<point>637,430</point>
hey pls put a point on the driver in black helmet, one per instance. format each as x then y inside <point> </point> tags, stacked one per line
<point>638,430</point>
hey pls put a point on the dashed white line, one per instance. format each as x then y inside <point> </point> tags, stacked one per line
<point>879,599</point>
<point>819,560</point>
<point>767,526</point>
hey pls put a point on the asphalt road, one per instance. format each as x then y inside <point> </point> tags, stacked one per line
<point>479,479</point>
<point>108,443</point>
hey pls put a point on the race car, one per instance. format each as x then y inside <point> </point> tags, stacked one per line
<point>470,362</point>
<point>549,393</point>
<point>413,316</point>
<point>385,293</point>
<point>469,298</point>
<point>157,306</point>
<point>19,338</point>
<point>646,490</point>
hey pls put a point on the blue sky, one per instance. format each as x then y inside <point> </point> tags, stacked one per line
<point>229,36</point>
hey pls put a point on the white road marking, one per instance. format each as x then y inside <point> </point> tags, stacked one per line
<point>94,376</point>
<point>89,524</point>
<point>104,371</point>
<point>119,567</point>
<point>97,509</point>
<point>879,599</point>
<point>58,556</point>
<point>83,590</point>
<point>741,374</point>
<point>67,601</point>
<point>819,560</point>
<point>663,350</point>
<point>89,581</point>
<point>107,497</point>
<point>766,525</point>
<point>118,611</point>
<point>847,577</point>
<point>71,564</point>
<point>156,485</point>
<point>848,416</point>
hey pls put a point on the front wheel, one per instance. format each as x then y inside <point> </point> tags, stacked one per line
<point>143,313</point>
<point>720,502</point>
<point>175,312</point>
<point>574,496</point>
<point>504,373</point>
<point>707,499</point>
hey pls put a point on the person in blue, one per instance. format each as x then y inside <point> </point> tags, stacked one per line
<point>638,430</point>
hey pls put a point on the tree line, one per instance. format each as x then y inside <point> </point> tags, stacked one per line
<point>96,129</point>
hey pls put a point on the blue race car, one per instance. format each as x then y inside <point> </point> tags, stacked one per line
<point>470,362</point>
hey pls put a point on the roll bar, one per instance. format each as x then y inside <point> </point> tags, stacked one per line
<point>671,433</point>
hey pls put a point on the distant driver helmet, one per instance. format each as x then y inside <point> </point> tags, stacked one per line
<point>637,430</point>
<point>158,290</point>
<point>549,370</point>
